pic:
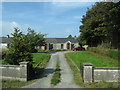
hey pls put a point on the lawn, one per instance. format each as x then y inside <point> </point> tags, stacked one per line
<point>96,60</point>
<point>79,81</point>
<point>40,59</point>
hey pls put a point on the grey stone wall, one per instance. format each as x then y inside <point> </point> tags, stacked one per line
<point>17,72</point>
<point>96,74</point>
<point>109,74</point>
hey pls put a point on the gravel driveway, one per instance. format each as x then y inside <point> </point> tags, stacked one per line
<point>67,78</point>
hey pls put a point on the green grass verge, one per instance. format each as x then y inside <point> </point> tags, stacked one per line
<point>40,59</point>
<point>15,83</point>
<point>58,50</point>
<point>56,77</point>
<point>96,60</point>
<point>79,81</point>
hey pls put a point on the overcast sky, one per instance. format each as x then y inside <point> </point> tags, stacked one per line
<point>57,19</point>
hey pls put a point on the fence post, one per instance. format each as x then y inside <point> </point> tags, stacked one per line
<point>24,70</point>
<point>87,72</point>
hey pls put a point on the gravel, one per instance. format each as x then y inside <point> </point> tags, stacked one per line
<point>67,78</point>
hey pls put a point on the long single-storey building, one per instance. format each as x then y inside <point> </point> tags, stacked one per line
<point>51,43</point>
<point>60,43</point>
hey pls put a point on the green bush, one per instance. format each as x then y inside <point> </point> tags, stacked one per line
<point>15,58</point>
<point>3,54</point>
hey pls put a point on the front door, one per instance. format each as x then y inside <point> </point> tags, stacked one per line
<point>68,45</point>
<point>45,46</point>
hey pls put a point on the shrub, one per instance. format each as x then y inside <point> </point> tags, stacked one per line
<point>15,58</point>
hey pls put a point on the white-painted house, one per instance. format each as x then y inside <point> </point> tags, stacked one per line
<point>51,43</point>
<point>60,43</point>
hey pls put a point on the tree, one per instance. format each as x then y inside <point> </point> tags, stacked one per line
<point>101,24</point>
<point>19,49</point>
<point>34,39</point>
<point>70,36</point>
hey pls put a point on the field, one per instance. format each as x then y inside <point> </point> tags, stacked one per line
<point>96,60</point>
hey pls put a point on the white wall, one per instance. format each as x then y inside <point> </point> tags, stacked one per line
<point>85,46</point>
<point>3,45</point>
<point>58,45</point>
<point>76,45</point>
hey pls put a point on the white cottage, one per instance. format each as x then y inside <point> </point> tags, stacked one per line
<point>60,43</point>
<point>51,43</point>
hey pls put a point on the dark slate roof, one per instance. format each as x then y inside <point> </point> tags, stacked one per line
<point>48,40</point>
<point>61,40</point>
<point>5,40</point>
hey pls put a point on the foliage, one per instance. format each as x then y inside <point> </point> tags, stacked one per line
<point>70,36</point>
<point>81,40</point>
<point>101,24</point>
<point>34,40</point>
<point>22,45</point>
<point>19,49</point>
<point>96,60</point>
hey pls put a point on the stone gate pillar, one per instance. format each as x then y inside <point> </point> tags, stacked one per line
<point>87,72</point>
<point>24,70</point>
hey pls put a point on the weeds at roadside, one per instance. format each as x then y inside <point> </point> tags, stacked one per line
<point>56,77</point>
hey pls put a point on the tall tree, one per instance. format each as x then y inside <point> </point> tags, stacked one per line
<point>19,49</point>
<point>100,24</point>
<point>69,36</point>
<point>34,39</point>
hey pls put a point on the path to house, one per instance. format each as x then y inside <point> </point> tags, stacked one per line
<point>67,79</point>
